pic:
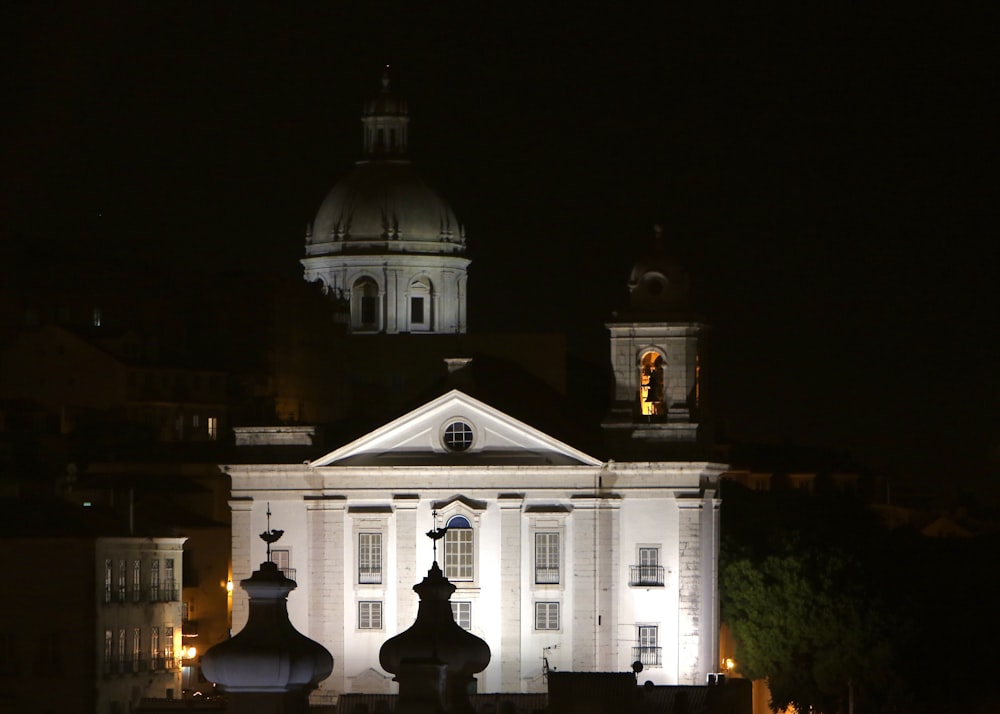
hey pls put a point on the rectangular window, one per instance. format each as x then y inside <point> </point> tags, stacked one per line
<point>136,580</point>
<point>546,616</point>
<point>109,643</point>
<point>154,581</point>
<point>136,645</point>
<point>154,648</point>
<point>648,572</point>
<point>461,610</point>
<point>95,317</point>
<point>168,647</point>
<point>213,428</point>
<point>282,557</point>
<point>195,421</point>
<point>417,310</point>
<point>169,584</point>
<point>546,558</point>
<point>368,310</point>
<point>122,576</point>
<point>459,557</point>
<point>108,575</point>
<point>122,648</point>
<point>648,649</point>
<point>370,615</point>
<point>369,558</point>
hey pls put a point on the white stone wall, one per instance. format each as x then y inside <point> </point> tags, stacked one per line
<point>600,530</point>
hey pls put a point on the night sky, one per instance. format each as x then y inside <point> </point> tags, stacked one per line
<point>823,175</point>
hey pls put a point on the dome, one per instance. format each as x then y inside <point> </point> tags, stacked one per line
<point>382,201</point>
<point>657,282</point>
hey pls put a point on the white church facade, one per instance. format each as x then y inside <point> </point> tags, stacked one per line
<point>561,559</point>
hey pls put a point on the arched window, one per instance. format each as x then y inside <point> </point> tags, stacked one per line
<point>420,305</point>
<point>459,551</point>
<point>365,307</point>
<point>651,384</point>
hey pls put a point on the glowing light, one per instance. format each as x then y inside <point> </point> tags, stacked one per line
<point>730,665</point>
<point>192,652</point>
<point>229,586</point>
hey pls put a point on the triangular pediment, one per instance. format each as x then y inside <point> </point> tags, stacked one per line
<point>455,429</point>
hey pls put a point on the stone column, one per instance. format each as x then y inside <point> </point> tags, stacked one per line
<point>243,542</point>
<point>510,592</point>
<point>406,559</point>
<point>325,518</point>
<point>689,596</point>
<point>595,599</point>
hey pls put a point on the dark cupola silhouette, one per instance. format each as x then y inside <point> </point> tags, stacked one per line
<point>269,667</point>
<point>435,659</point>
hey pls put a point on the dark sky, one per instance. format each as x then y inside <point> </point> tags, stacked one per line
<point>824,175</point>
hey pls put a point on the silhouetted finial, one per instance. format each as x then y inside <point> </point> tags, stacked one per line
<point>270,535</point>
<point>436,535</point>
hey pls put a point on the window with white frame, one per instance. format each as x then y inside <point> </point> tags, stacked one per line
<point>648,572</point>
<point>370,615</point>
<point>459,552</point>
<point>647,650</point>
<point>136,580</point>
<point>461,611</point>
<point>546,558</point>
<point>546,616</point>
<point>168,647</point>
<point>169,583</point>
<point>282,557</point>
<point>370,558</point>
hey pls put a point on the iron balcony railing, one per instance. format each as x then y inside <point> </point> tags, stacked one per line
<point>288,573</point>
<point>645,575</point>
<point>546,576</point>
<point>649,656</point>
<point>369,576</point>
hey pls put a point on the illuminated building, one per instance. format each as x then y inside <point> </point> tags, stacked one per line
<point>594,562</point>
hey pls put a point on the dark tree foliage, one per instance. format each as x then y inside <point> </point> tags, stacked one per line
<point>825,604</point>
<point>797,593</point>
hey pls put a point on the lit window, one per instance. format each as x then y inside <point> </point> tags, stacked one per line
<point>546,616</point>
<point>370,615</point>
<point>168,647</point>
<point>461,610</point>
<point>369,558</point>
<point>96,317</point>
<point>651,394</point>
<point>459,556</point>
<point>546,558</point>
<point>458,436</point>
<point>213,428</point>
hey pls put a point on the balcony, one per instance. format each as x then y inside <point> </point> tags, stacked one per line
<point>546,576</point>
<point>369,576</point>
<point>288,573</point>
<point>649,656</point>
<point>645,576</point>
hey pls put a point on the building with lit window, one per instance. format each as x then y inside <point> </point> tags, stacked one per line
<point>585,554</point>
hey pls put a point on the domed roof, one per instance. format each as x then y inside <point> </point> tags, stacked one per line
<point>383,200</point>
<point>387,201</point>
<point>657,282</point>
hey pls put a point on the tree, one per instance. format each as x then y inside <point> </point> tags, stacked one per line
<point>796,593</point>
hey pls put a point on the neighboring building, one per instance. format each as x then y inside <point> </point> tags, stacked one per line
<point>96,625</point>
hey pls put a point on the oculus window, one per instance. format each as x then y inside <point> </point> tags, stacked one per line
<point>458,436</point>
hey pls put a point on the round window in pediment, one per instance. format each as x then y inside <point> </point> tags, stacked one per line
<point>458,436</point>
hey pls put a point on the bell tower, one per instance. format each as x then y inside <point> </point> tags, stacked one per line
<point>655,355</point>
